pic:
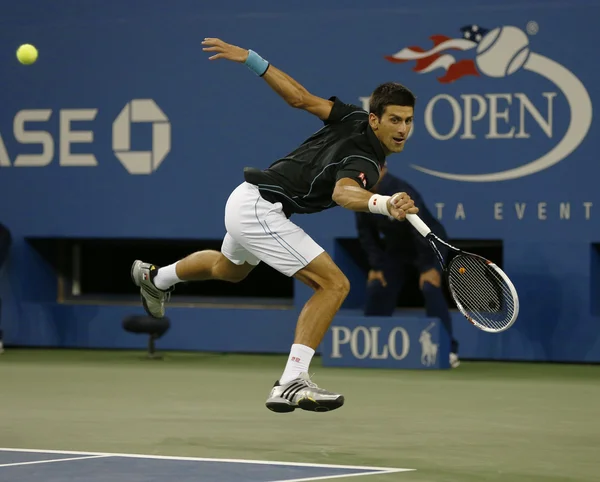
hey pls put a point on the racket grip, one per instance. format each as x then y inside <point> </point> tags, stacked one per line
<point>418,224</point>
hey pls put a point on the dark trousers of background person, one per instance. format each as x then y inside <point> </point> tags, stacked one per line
<point>5,241</point>
<point>381,301</point>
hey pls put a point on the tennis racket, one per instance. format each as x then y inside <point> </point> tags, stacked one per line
<point>482,291</point>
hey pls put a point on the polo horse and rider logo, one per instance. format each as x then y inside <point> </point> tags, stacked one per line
<point>429,349</point>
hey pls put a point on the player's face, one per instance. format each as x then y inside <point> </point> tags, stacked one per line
<point>393,127</point>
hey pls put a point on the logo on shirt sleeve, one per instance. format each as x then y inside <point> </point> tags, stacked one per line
<point>363,178</point>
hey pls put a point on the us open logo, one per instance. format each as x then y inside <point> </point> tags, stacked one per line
<point>141,162</point>
<point>498,53</point>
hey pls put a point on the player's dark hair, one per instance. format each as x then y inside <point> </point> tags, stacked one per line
<point>390,93</point>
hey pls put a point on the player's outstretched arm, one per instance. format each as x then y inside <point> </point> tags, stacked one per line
<point>290,90</point>
<point>350,195</point>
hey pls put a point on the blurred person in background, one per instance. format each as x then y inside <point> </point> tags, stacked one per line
<point>5,242</point>
<point>398,254</point>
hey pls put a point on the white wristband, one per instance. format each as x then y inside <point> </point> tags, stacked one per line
<point>378,204</point>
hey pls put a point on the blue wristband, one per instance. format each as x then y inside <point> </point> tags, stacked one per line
<point>256,63</point>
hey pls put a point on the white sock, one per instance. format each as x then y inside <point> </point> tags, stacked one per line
<point>166,277</point>
<point>298,362</point>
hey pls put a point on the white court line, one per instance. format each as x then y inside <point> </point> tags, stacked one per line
<point>53,460</point>
<point>359,474</point>
<point>373,470</point>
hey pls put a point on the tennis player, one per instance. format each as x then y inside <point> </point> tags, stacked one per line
<point>336,166</point>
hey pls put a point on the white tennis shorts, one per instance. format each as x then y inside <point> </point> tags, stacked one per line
<point>258,230</point>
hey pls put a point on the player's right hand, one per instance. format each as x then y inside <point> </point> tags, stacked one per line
<point>400,204</point>
<point>224,50</point>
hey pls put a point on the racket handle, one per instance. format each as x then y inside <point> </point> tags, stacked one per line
<point>418,224</point>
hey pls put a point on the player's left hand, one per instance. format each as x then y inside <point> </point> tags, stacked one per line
<point>400,204</point>
<point>224,50</point>
<point>431,276</point>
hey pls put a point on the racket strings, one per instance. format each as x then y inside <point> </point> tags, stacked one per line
<point>481,291</point>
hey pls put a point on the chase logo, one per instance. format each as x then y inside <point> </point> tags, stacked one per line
<point>141,162</point>
<point>498,54</point>
<point>68,134</point>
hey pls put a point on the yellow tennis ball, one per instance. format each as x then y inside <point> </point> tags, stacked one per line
<point>462,270</point>
<point>27,54</point>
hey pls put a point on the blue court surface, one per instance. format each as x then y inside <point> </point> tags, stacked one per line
<point>60,466</point>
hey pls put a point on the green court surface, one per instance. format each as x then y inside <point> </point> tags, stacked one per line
<point>509,422</point>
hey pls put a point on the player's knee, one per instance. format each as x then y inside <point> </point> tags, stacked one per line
<point>236,276</point>
<point>339,284</point>
<point>323,274</point>
<point>345,286</point>
<point>225,270</point>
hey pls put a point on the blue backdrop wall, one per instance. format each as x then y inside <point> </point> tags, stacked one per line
<point>123,128</point>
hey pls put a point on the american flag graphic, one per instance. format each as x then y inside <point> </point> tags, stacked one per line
<point>438,57</point>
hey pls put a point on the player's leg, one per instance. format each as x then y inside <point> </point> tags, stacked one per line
<point>294,388</point>
<point>330,287</point>
<point>263,230</point>
<point>156,283</point>
<point>202,266</point>
<point>233,263</point>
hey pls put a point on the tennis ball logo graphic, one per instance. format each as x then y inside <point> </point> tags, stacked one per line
<point>502,51</point>
<point>499,54</point>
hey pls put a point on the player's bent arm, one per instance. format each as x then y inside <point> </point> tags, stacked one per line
<point>295,94</point>
<point>350,195</point>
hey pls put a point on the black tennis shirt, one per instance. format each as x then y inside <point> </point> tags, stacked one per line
<point>304,180</point>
